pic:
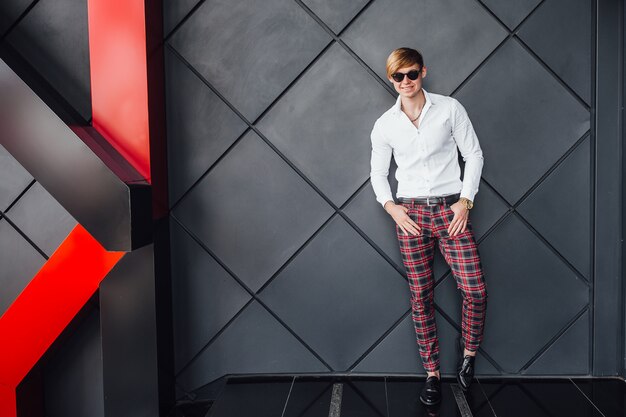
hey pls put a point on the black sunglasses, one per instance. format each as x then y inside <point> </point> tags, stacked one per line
<point>399,76</point>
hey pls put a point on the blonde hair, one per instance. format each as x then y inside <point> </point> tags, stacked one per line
<point>403,57</point>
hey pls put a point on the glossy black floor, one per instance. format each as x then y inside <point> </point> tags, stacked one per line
<point>308,396</point>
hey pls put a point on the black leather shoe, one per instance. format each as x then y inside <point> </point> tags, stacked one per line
<point>465,367</point>
<point>431,392</point>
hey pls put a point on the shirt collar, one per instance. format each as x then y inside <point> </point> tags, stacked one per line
<point>396,107</point>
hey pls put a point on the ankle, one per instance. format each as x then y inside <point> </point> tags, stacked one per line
<point>469,352</point>
<point>433,373</point>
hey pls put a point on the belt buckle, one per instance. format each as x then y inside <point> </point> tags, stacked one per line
<point>428,200</point>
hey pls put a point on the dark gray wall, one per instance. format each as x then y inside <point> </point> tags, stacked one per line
<point>51,36</point>
<point>283,261</point>
<point>32,225</point>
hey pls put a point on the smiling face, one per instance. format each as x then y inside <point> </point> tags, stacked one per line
<point>407,87</point>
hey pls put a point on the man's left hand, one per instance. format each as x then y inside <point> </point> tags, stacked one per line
<point>459,222</point>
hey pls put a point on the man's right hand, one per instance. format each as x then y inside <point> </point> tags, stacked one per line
<point>399,214</point>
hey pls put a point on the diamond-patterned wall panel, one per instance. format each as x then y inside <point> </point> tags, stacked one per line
<point>398,352</point>
<point>254,343</point>
<point>250,50</point>
<point>253,211</point>
<point>53,38</point>
<point>174,11</point>
<point>568,230</point>
<point>205,297</point>
<point>193,144</point>
<point>526,283</point>
<point>334,152</point>
<point>453,35</point>
<point>364,211</point>
<point>556,32</point>
<point>569,354</point>
<point>511,12</point>
<point>517,107</point>
<point>336,14</point>
<point>42,219</point>
<point>10,11</point>
<point>13,179</point>
<point>19,260</point>
<point>340,284</point>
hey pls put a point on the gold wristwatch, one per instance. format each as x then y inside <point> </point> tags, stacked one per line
<point>466,202</point>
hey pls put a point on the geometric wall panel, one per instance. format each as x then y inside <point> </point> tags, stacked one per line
<point>242,213</point>
<point>13,179</point>
<point>250,60</point>
<point>333,152</point>
<point>511,12</point>
<point>488,209</point>
<point>322,295</point>
<point>253,211</point>
<point>365,212</point>
<point>174,11</point>
<point>555,32</point>
<point>19,260</point>
<point>204,296</point>
<point>336,14</point>
<point>569,354</point>
<point>193,145</point>
<point>526,283</point>
<point>58,28</point>
<point>526,120</point>
<point>398,352</point>
<point>10,11</point>
<point>42,219</point>
<point>566,226</point>
<point>254,343</point>
<point>453,45</point>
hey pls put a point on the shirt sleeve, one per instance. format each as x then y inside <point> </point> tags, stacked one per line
<point>467,142</point>
<point>380,160</point>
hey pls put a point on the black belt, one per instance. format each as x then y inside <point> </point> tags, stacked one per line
<point>431,201</point>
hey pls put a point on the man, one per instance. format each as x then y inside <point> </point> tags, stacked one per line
<point>424,132</point>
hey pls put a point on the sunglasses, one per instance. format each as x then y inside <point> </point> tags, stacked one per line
<point>399,76</point>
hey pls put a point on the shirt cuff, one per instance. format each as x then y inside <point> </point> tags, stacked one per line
<point>468,194</point>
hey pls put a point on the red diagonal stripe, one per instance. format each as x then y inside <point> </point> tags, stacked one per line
<point>50,301</point>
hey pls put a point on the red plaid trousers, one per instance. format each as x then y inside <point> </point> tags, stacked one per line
<point>461,253</point>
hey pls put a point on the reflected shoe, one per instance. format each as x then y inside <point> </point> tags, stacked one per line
<point>465,367</point>
<point>431,391</point>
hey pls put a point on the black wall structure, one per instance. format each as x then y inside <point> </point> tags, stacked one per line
<point>33,223</point>
<point>44,63</point>
<point>282,261</point>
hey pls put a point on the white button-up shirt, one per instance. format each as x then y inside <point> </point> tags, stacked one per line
<point>426,156</point>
